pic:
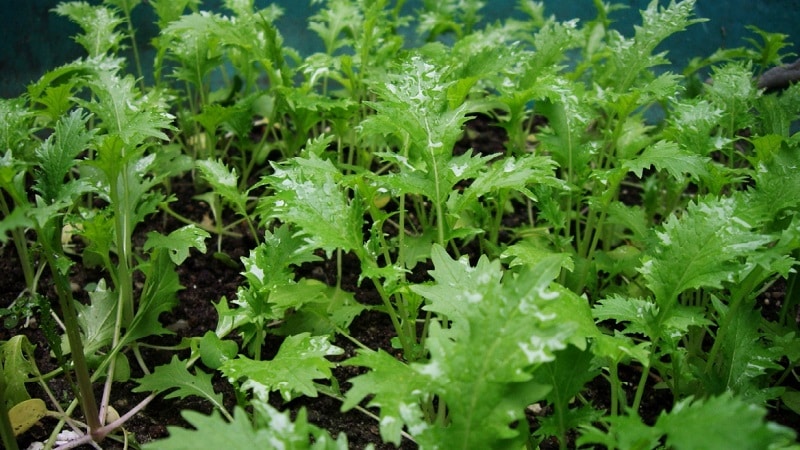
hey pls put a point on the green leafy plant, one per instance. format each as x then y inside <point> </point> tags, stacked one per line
<point>619,235</point>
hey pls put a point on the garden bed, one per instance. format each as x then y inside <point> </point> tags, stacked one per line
<point>515,236</point>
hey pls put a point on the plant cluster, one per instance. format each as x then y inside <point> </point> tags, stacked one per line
<point>652,209</point>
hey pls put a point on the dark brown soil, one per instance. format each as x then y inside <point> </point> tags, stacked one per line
<point>207,280</point>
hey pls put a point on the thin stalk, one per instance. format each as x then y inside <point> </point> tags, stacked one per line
<point>85,393</point>
<point>122,226</point>
<point>387,303</point>
<point>132,33</point>
<point>637,399</point>
<point>437,203</point>
<point>105,430</point>
<point>615,387</point>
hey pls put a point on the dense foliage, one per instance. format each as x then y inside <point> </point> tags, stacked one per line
<point>656,207</point>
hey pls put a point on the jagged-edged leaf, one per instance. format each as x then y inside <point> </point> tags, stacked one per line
<point>565,135</point>
<point>300,361</point>
<point>307,194</point>
<point>56,155</point>
<point>510,173</point>
<point>702,248</point>
<point>271,263</point>
<point>664,155</point>
<point>505,320</point>
<point>332,310</point>
<point>630,57</point>
<point>733,93</point>
<point>97,319</point>
<point>98,23</point>
<point>170,10</point>
<point>720,423</point>
<point>744,361</point>
<point>16,119</point>
<point>692,124</point>
<point>224,181</point>
<point>777,180</point>
<point>178,242</point>
<point>127,113</point>
<point>17,369</point>
<point>394,388</point>
<point>531,251</point>
<point>621,431</point>
<point>270,428</point>
<point>632,218</point>
<point>159,295</point>
<point>176,381</point>
<point>414,106</point>
<point>638,314</point>
<point>567,374</point>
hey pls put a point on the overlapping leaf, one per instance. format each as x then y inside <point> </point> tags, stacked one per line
<point>703,248</point>
<point>272,429</point>
<point>293,371</point>
<point>176,380</point>
<point>506,322</point>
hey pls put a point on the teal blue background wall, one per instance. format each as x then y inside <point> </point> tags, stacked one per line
<point>33,39</point>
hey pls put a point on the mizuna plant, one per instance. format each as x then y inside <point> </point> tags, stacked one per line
<point>619,237</point>
<point>110,161</point>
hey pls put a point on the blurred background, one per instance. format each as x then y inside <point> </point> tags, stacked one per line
<point>35,40</point>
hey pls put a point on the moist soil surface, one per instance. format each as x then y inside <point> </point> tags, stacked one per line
<point>208,280</point>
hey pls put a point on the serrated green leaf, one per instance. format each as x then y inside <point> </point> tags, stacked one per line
<point>531,251</point>
<point>98,23</point>
<point>734,93</point>
<point>720,423</point>
<point>570,419</point>
<point>331,311</point>
<point>178,242</point>
<point>669,156</point>
<point>273,429</point>
<point>97,319</point>
<point>272,263</point>
<point>170,10</point>
<point>307,193</point>
<point>504,319</point>
<point>17,369</point>
<point>744,360</point>
<point>126,113</point>
<point>622,431</point>
<point>630,57</point>
<point>509,173</point>
<point>640,314</point>
<point>176,381</point>
<point>224,181</point>
<point>300,361</point>
<point>567,374</point>
<point>57,155</point>
<point>159,295</point>
<point>692,124</point>
<point>394,388</point>
<point>16,119</point>
<point>193,40</point>
<point>620,348</point>
<point>702,248</point>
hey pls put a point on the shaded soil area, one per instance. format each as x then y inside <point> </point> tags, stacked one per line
<point>208,280</point>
